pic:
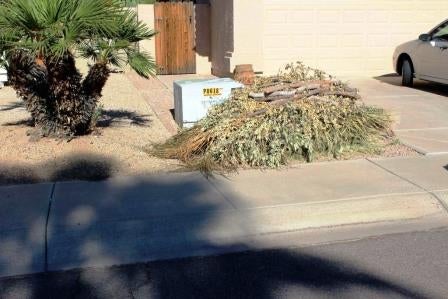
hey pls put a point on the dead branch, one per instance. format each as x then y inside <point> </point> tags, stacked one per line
<point>271,89</point>
<point>283,93</point>
<point>256,95</point>
<point>345,94</point>
<point>297,98</point>
<point>308,87</point>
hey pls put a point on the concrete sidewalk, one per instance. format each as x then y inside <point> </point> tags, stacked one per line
<point>137,219</point>
<point>420,112</point>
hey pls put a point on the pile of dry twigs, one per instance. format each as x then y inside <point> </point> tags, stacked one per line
<point>300,114</point>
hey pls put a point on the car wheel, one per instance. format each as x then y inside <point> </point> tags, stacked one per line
<point>407,74</point>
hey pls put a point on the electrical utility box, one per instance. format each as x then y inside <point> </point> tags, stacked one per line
<point>3,77</point>
<point>193,98</point>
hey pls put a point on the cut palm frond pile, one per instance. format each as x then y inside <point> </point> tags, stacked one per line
<point>300,114</point>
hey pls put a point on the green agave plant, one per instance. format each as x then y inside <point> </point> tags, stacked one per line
<point>41,39</point>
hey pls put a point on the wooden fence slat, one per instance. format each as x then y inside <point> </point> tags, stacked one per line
<point>192,36</point>
<point>175,41</point>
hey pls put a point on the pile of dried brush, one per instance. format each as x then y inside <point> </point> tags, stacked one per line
<point>299,114</point>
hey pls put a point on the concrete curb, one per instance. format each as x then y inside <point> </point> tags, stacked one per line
<point>233,231</point>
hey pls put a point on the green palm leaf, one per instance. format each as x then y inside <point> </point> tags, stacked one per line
<point>101,30</point>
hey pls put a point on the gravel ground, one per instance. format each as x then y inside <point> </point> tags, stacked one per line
<point>125,128</point>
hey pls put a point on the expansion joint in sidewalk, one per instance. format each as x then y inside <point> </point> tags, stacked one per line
<point>439,200</point>
<point>232,204</point>
<point>47,220</point>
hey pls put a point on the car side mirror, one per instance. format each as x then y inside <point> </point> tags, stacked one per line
<point>425,37</point>
<point>440,44</point>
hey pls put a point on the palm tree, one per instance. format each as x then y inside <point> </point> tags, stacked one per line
<point>40,40</point>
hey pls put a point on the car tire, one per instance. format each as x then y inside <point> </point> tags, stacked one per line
<point>407,74</point>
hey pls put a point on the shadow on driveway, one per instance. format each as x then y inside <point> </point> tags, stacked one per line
<point>430,87</point>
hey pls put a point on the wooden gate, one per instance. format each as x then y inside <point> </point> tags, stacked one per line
<point>175,41</point>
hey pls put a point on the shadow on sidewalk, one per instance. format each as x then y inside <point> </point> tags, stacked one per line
<point>117,222</point>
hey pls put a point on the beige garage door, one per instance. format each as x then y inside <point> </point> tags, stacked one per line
<point>345,38</point>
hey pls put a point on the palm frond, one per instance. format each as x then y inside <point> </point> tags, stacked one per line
<point>131,29</point>
<point>142,63</point>
<point>101,30</point>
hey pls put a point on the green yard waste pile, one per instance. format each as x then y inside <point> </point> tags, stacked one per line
<point>300,114</point>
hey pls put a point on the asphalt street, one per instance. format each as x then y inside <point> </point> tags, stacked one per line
<point>412,265</point>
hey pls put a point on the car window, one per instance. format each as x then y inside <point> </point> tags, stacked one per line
<point>441,33</point>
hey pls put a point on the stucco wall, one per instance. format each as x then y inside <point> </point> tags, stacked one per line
<point>146,15</point>
<point>236,35</point>
<point>222,32</point>
<point>344,37</point>
<point>249,26</point>
<point>203,35</point>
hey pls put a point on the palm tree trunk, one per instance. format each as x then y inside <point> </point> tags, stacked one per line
<point>60,103</point>
<point>96,80</point>
<point>64,83</point>
<point>91,89</point>
<point>29,80</point>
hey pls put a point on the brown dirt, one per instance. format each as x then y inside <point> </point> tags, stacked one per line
<point>126,127</point>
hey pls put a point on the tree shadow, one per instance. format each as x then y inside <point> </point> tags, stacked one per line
<point>112,117</point>
<point>129,220</point>
<point>108,118</point>
<point>27,122</point>
<point>73,167</point>
<point>248,275</point>
<point>430,87</point>
<point>12,106</point>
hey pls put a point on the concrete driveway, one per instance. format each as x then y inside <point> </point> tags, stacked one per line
<point>421,112</point>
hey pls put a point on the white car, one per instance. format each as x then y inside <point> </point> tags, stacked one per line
<point>425,58</point>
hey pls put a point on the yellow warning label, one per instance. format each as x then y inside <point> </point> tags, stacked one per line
<point>211,92</point>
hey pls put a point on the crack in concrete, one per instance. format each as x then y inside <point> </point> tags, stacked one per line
<point>50,201</point>
<point>212,184</point>
<point>439,200</point>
